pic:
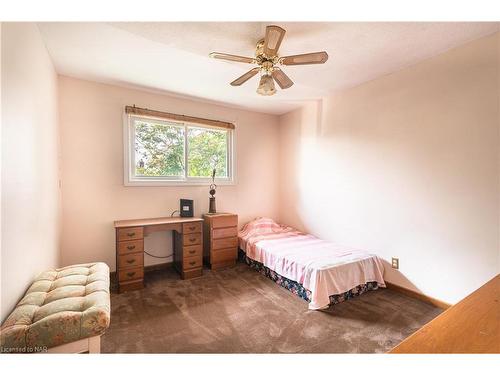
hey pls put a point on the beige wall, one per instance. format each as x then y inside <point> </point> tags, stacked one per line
<point>407,166</point>
<point>30,193</point>
<point>92,169</point>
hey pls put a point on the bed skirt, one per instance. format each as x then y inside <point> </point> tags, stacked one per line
<point>297,288</point>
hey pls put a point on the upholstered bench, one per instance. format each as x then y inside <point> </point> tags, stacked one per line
<point>64,310</point>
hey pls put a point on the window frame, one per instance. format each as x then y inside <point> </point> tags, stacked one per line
<point>131,179</point>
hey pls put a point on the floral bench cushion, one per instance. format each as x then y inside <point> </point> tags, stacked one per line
<point>61,306</point>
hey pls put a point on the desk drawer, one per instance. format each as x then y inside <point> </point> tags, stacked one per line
<point>192,262</point>
<point>129,247</point>
<point>130,260</point>
<point>125,234</point>
<point>192,239</point>
<point>224,232</point>
<point>188,228</point>
<point>131,274</point>
<point>224,243</point>
<point>192,251</point>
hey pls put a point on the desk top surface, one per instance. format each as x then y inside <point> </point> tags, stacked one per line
<point>470,326</point>
<point>155,221</point>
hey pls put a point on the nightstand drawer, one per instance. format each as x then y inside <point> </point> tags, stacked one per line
<point>225,232</point>
<point>191,228</point>
<point>131,260</point>
<point>224,255</point>
<point>129,247</point>
<point>131,274</point>
<point>224,243</point>
<point>223,221</point>
<point>192,239</point>
<point>192,251</point>
<point>126,234</point>
<point>192,262</point>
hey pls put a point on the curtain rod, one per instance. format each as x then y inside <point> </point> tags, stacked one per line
<point>172,116</point>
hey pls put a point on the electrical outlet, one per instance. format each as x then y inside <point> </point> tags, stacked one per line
<point>395,263</point>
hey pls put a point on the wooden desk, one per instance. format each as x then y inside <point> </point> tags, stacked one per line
<point>187,245</point>
<point>470,326</point>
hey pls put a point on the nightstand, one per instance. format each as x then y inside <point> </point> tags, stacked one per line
<point>220,240</point>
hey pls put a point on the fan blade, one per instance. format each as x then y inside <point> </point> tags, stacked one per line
<point>272,40</point>
<point>306,58</point>
<point>283,80</point>
<point>225,56</point>
<point>245,77</point>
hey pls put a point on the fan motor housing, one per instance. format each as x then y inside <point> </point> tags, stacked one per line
<point>266,63</point>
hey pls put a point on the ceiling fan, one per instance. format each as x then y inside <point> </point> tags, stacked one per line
<point>269,62</point>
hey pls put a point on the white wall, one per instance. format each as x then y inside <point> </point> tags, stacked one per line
<point>93,193</point>
<point>30,194</point>
<point>406,165</point>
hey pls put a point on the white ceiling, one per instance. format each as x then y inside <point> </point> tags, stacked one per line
<point>173,57</point>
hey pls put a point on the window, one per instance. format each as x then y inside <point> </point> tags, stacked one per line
<point>166,152</point>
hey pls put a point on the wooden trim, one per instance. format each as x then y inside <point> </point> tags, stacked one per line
<point>182,118</point>
<point>417,295</point>
<point>91,345</point>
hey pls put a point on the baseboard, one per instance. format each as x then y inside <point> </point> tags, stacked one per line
<point>417,295</point>
<point>397,288</point>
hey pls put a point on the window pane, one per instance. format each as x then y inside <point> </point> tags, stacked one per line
<point>207,149</point>
<point>159,149</point>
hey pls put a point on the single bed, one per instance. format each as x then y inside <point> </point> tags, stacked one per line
<point>318,271</point>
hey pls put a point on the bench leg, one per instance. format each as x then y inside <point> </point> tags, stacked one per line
<point>90,345</point>
<point>95,345</point>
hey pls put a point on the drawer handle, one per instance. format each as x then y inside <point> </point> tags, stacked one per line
<point>130,261</point>
<point>131,247</point>
<point>192,263</point>
<point>192,239</point>
<point>130,274</point>
<point>192,251</point>
<point>131,234</point>
<point>192,228</point>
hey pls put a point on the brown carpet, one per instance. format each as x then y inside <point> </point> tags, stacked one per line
<point>237,310</point>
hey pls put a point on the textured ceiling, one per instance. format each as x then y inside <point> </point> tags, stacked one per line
<point>173,57</point>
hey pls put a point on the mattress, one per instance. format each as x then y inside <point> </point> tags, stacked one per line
<point>322,267</point>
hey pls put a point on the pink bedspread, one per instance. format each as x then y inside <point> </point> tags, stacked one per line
<point>322,267</point>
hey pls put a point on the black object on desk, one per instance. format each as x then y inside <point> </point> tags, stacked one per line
<point>186,208</point>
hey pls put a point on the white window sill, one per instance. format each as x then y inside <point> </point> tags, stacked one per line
<point>140,182</point>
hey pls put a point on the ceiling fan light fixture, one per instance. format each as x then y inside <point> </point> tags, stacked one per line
<point>266,86</point>
<point>268,62</point>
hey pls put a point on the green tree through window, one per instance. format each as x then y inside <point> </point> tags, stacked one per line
<point>160,150</point>
<point>207,149</point>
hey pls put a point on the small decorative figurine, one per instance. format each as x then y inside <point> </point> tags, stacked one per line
<point>211,209</point>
